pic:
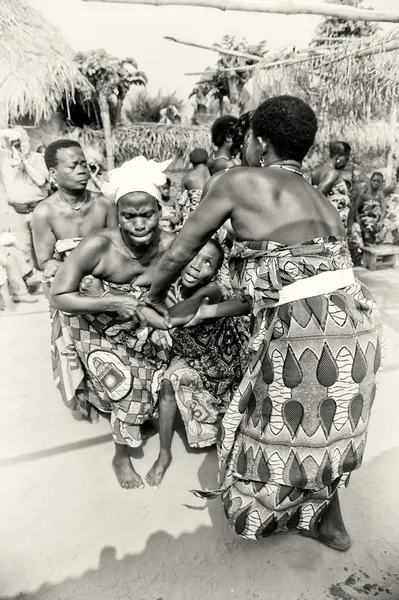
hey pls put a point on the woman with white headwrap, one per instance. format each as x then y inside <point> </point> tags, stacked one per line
<point>122,360</point>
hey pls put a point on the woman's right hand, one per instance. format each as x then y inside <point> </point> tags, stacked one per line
<point>128,308</point>
<point>201,314</point>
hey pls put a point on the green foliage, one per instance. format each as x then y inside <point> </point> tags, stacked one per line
<point>144,108</point>
<point>100,68</point>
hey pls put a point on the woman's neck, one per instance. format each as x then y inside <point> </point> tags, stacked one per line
<point>72,197</point>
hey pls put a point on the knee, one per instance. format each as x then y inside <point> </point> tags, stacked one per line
<point>167,393</point>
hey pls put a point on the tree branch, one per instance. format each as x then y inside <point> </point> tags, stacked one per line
<point>285,7</point>
<point>215,48</point>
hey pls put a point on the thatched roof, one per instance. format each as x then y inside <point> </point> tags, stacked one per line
<point>150,139</point>
<point>37,71</point>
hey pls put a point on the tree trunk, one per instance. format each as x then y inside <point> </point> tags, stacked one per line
<point>234,96</point>
<point>105,117</point>
<point>118,112</point>
<point>221,106</point>
<point>285,7</point>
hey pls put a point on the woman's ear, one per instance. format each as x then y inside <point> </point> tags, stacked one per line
<point>264,145</point>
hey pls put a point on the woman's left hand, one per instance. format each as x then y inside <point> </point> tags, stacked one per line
<point>201,314</point>
<point>159,305</point>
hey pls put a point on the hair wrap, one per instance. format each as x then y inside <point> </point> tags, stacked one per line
<point>136,175</point>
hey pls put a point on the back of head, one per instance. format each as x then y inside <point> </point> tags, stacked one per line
<point>50,155</point>
<point>222,129</point>
<point>288,123</point>
<point>339,148</point>
<point>199,156</point>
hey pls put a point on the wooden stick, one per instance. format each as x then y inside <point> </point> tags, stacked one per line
<point>215,48</point>
<point>340,40</point>
<point>253,67</point>
<point>285,7</point>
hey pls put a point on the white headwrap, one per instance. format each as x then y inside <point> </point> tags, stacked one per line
<point>136,175</point>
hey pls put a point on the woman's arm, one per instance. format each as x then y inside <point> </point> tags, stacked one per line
<point>214,209</point>
<point>229,308</point>
<point>327,180</point>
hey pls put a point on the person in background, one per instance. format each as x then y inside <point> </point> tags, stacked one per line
<point>390,223</point>
<point>24,175</point>
<point>193,182</point>
<point>59,224</point>
<point>169,220</point>
<point>41,149</point>
<point>296,428</point>
<point>328,180</point>
<point>371,211</point>
<point>222,140</point>
<point>20,280</point>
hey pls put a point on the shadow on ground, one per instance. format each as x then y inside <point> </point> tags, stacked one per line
<point>214,564</point>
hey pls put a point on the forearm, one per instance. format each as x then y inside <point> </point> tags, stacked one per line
<point>75,304</point>
<point>229,308</point>
<point>325,188</point>
<point>35,175</point>
<point>153,318</point>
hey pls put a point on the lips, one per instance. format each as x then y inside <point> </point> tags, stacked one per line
<point>190,278</point>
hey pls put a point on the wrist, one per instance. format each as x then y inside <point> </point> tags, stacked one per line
<point>209,311</point>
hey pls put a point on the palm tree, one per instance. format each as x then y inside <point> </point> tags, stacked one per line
<point>111,79</point>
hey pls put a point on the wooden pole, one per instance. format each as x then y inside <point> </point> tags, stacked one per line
<point>392,149</point>
<point>285,7</point>
<point>253,67</point>
<point>215,48</point>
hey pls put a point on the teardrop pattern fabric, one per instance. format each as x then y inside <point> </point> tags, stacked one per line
<point>307,392</point>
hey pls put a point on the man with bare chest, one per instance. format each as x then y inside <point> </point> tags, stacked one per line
<point>122,359</point>
<point>59,224</point>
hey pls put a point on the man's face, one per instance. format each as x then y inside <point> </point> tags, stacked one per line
<point>201,270</point>
<point>71,172</point>
<point>376,182</point>
<point>138,216</point>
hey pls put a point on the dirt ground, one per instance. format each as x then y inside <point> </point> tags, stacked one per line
<point>68,532</point>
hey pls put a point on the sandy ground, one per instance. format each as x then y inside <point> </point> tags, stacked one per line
<point>67,531</point>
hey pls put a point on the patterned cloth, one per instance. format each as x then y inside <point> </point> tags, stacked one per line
<point>390,224</point>
<point>122,364</point>
<point>67,374</point>
<point>296,427</point>
<point>168,211</point>
<point>188,202</point>
<point>339,197</point>
<point>371,218</point>
<point>208,365</point>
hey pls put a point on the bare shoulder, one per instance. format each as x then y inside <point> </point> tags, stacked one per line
<point>45,208</point>
<point>99,240</point>
<point>101,200</point>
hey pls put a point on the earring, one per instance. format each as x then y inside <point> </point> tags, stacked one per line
<point>262,161</point>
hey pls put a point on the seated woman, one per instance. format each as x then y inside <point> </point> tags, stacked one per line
<point>170,220</point>
<point>371,210</point>
<point>207,359</point>
<point>296,427</point>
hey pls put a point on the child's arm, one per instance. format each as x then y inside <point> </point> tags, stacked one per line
<point>153,318</point>
<point>229,308</point>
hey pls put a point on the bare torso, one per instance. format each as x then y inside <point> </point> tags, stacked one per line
<point>276,205</point>
<point>218,163</point>
<point>196,179</point>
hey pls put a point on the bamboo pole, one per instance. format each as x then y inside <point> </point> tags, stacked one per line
<point>285,7</point>
<point>215,48</point>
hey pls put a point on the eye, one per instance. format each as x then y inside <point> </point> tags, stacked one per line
<point>208,263</point>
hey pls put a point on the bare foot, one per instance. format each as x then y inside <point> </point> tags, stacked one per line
<point>125,474</point>
<point>156,474</point>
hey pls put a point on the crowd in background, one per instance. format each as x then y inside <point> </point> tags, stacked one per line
<point>368,207</point>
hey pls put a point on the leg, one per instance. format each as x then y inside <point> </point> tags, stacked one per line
<point>24,237</point>
<point>6,297</point>
<point>16,281</point>
<point>167,415</point>
<point>123,468</point>
<point>330,530</point>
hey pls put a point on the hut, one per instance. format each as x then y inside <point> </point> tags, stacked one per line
<point>38,76</point>
<point>353,86</point>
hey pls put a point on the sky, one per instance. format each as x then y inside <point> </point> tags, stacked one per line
<point>137,31</point>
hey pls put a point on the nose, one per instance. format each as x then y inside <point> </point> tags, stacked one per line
<point>196,264</point>
<point>139,224</point>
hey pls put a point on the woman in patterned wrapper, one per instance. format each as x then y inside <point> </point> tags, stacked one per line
<point>193,182</point>
<point>296,427</point>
